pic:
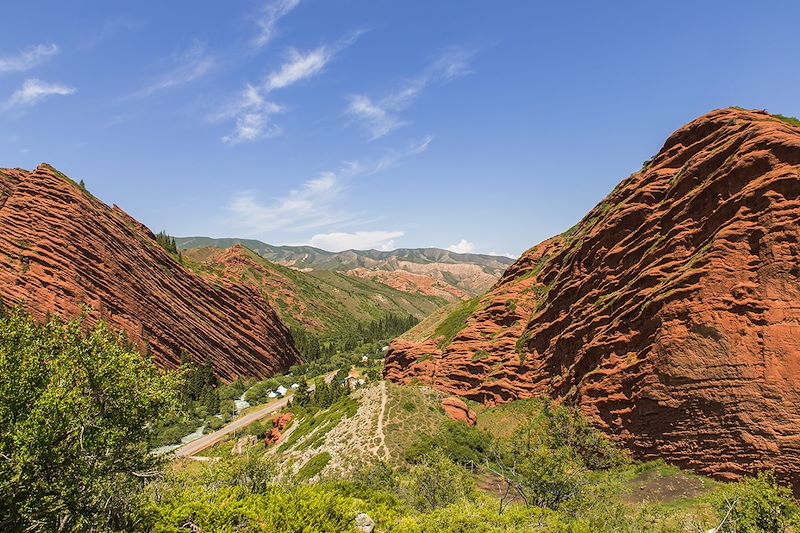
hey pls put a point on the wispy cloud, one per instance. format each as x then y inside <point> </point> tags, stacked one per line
<point>252,126</point>
<point>381,117</point>
<point>27,59</point>
<point>252,111</point>
<point>108,29</point>
<point>462,247</point>
<point>313,205</point>
<point>271,13</point>
<point>298,66</point>
<point>189,66</point>
<point>359,240</point>
<point>307,207</point>
<point>33,91</point>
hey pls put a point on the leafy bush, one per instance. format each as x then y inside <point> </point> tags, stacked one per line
<point>436,481</point>
<point>755,505</point>
<point>76,414</point>
<point>304,509</point>
<point>259,429</point>
<point>549,457</point>
<point>461,443</point>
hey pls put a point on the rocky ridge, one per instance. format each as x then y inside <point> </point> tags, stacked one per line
<point>321,302</point>
<point>670,315</point>
<point>415,270</point>
<point>62,249</point>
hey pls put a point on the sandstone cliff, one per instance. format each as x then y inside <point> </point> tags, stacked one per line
<point>670,315</point>
<point>61,249</point>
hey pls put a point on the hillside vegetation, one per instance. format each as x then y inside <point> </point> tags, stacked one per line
<point>322,303</point>
<point>78,407</point>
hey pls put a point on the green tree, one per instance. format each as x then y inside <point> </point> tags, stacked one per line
<point>76,408</point>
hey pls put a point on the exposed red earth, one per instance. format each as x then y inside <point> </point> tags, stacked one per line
<point>456,409</point>
<point>279,425</point>
<point>670,315</point>
<point>62,249</point>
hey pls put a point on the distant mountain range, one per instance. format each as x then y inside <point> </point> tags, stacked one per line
<point>321,302</point>
<point>431,271</point>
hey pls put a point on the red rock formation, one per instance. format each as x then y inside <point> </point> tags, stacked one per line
<point>61,249</point>
<point>670,315</point>
<point>279,424</point>
<point>412,283</point>
<point>456,409</point>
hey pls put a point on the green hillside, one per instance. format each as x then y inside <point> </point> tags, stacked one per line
<point>323,303</point>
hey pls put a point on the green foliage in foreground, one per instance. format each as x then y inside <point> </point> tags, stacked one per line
<point>75,410</point>
<point>77,406</point>
<point>756,505</point>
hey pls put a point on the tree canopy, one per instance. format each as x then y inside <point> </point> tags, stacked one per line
<point>78,406</point>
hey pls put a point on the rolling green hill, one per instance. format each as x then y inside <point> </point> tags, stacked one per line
<point>323,303</point>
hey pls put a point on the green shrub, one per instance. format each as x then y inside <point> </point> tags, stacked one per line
<point>77,410</point>
<point>259,429</point>
<point>436,481</point>
<point>550,456</point>
<point>461,443</point>
<point>314,466</point>
<point>755,505</point>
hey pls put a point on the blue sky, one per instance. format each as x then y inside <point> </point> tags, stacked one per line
<point>480,126</point>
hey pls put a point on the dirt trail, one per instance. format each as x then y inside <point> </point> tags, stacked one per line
<point>381,434</point>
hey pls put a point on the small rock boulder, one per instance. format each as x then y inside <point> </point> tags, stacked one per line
<point>456,409</point>
<point>279,423</point>
<point>364,523</point>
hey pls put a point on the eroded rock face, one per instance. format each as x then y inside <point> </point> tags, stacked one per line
<point>61,249</point>
<point>457,409</point>
<point>279,425</point>
<point>670,315</point>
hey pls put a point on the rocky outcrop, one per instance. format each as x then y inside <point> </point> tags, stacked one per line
<point>62,249</point>
<point>670,315</point>
<point>279,425</point>
<point>456,409</point>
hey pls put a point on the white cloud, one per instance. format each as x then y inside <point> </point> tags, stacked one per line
<point>192,65</point>
<point>380,117</point>
<point>308,207</point>
<point>376,119</point>
<point>359,240</point>
<point>298,67</point>
<point>506,254</point>
<point>314,204</point>
<point>271,14</point>
<point>27,59</point>
<point>33,91</point>
<point>251,126</point>
<point>252,110</point>
<point>462,247</point>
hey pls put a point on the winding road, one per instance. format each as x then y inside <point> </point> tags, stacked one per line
<point>207,441</point>
<point>203,443</point>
